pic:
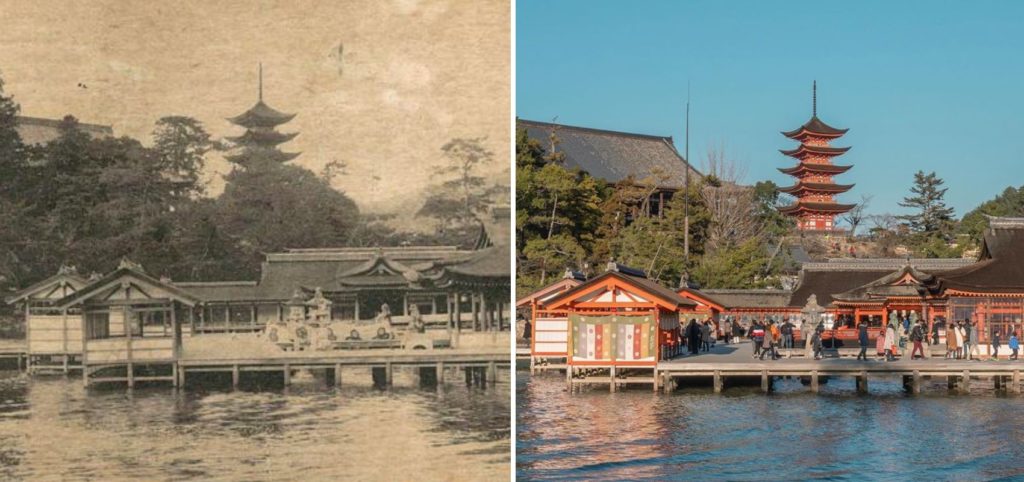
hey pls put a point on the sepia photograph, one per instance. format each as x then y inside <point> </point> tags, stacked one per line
<point>255,240</point>
<point>768,240</point>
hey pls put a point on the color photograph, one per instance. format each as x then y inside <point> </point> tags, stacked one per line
<point>768,240</point>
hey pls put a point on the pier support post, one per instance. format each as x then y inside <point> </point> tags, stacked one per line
<point>765,382</point>
<point>862,382</point>
<point>131,375</point>
<point>533,365</point>
<point>19,362</point>
<point>234,377</point>
<point>667,382</point>
<point>174,374</point>
<point>915,386</point>
<point>440,373</point>
<point>492,372</point>
<point>337,374</point>
<point>998,381</point>
<point>1015,382</point>
<point>469,375</point>
<point>950,382</point>
<point>611,379</point>
<point>814,381</point>
<point>718,382</point>
<point>181,375</point>
<point>657,380</point>
<point>388,374</point>
<point>287,375</point>
<point>965,381</point>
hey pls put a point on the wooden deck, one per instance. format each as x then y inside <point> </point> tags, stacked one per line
<point>736,361</point>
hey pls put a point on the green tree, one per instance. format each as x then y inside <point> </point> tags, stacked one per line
<point>932,216</point>
<point>458,202</point>
<point>737,267</point>
<point>1008,203</point>
<point>181,143</point>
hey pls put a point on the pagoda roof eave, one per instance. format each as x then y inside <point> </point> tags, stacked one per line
<point>814,127</point>
<point>814,168</point>
<point>804,150</point>
<point>261,115</point>
<point>816,187</point>
<point>271,138</point>
<point>816,207</point>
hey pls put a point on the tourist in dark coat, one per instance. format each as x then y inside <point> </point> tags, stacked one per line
<point>693,336</point>
<point>862,338</point>
<point>916,337</point>
<point>995,344</point>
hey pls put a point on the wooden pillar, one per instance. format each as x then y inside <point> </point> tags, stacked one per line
<point>718,382</point>
<point>950,382</point>
<point>64,337</point>
<point>458,312</point>
<point>280,312</point>
<point>176,329</point>
<point>476,311</point>
<point>915,386</point>
<point>862,382</point>
<point>405,304</point>
<point>85,351</point>
<point>234,377</point>
<point>998,381</point>
<point>252,320</point>
<point>174,374</point>
<point>965,381</point>
<point>388,374</point>
<point>287,374</point>
<point>667,382</point>
<point>337,374</point>
<point>440,373</point>
<point>492,371</point>
<point>181,374</point>
<point>765,384</point>
<point>451,312</point>
<point>611,379</point>
<point>814,381</point>
<point>128,345</point>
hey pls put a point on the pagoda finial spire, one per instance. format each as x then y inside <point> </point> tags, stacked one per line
<point>814,98</point>
<point>261,82</point>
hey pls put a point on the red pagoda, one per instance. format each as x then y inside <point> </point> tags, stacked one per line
<point>815,189</point>
<point>260,140</point>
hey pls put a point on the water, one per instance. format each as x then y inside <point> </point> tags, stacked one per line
<point>55,429</point>
<point>694,434</point>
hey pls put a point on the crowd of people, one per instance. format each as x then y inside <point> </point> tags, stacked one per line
<point>769,336</point>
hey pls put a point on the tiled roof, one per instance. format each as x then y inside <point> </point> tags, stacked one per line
<point>615,156</point>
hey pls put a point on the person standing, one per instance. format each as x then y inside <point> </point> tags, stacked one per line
<point>705,336</point>
<point>916,337</point>
<point>951,340</point>
<point>890,341</point>
<point>787,335</point>
<point>757,334</point>
<point>862,337</point>
<point>726,330</point>
<point>995,344</point>
<point>816,342</point>
<point>959,332</point>
<point>693,336</point>
<point>1014,345</point>
<point>972,337</point>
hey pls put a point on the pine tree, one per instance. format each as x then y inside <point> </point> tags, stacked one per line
<point>933,217</point>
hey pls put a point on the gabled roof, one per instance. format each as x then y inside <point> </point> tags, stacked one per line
<point>220,290</point>
<point>905,282</point>
<point>751,298</point>
<point>566,283</point>
<point>63,278</point>
<point>845,274</point>
<point>668,299</point>
<point>615,156</point>
<point>119,277</point>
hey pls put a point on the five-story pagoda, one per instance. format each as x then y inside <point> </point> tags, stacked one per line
<point>815,189</point>
<point>260,140</point>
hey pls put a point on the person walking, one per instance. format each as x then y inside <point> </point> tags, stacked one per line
<point>862,337</point>
<point>816,342</point>
<point>768,343</point>
<point>916,337</point>
<point>1014,345</point>
<point>890,342</point>
<point>726,330</point>
<point>995,344</point>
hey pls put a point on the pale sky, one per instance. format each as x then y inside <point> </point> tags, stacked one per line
<point>412,74</point>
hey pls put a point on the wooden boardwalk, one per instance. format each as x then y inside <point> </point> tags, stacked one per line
<point>736,362</point>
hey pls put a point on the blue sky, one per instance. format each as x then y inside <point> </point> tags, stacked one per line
<point>921,85</point>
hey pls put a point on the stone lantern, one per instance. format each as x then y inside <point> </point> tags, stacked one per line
<point>811,312</point>
<point>296,307</point>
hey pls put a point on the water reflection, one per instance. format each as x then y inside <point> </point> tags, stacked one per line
<point>695,434</point>
<point>55,428</point>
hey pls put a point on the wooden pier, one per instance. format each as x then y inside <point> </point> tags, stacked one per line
<point>15,350</point>
<point>735,363</point>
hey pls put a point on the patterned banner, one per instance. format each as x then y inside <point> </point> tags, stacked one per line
<point>616,337</point>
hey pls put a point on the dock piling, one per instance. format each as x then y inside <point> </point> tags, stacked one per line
<point>965,382</point>
<point>915,386</point>
<point>440,373</point>
<point>611,379</point>
<point>492,371</point>
<point>1015,382</point>
<point>862,382</point>
<point>718,381</point>
<point>287,375</point>
<point>814,381</point>
<point>234,377</point>
<point>388,374</point>
<point>337,374</point>
<point>765,384</point>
